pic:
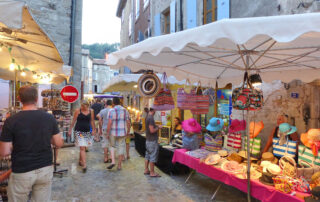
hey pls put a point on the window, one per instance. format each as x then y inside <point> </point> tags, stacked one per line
<point>130,24</point>
<point>137,8</point>
<point>95,88</point>
<point>209,11</point>
<point>166,16</point>
<point>145,3</point>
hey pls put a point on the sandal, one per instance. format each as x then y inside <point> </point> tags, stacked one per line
<point>156,175</point>
<point>84,170</point>
<point>111,166</point>
<point>108,161</point>
<point>146,173</point>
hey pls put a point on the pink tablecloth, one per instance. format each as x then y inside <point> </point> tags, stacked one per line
<point>258,190</point>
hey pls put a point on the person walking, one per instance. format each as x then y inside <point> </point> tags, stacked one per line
<point>152,147</point>
<point>117,131</point>
<point>103,125</point>
<point>97,107</point>
<point>27,136</point>
<point>83,117</point>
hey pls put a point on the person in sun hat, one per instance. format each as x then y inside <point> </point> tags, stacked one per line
<point>213,138</point>
<point>191,129</point>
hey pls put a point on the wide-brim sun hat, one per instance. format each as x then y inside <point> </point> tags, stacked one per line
<point>149,85</point>
<point>215,124</point>
<point>237,125</point>
<point>191,125</point>
<point>287,128</point>
<point>311,139</point>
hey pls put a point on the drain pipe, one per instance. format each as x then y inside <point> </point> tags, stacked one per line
<point>72,27</point>
<point>181,15</point>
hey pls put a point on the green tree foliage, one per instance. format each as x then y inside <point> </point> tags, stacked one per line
<point>98,50</point>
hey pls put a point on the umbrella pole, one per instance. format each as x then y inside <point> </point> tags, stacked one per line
<point>248,159</point>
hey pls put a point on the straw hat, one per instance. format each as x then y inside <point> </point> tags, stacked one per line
<point>223,153</point>
<point>215,124</point>
<point>235,157</point>
<point>266,179</point>
<point>268,156</point>
<point>311,139</point>
<point>255,128</point>
<point>237,125</point>
<point>274,169</point>
<point>316,178</point>
<point>149,85</point>
<point>243,154</point>
<point>191,126</point>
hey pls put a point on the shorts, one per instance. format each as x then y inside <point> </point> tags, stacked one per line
<point>128,139</point>
<point>119,143</point>
<point>152,151</point>
<point>96,124</point>
<point>105,142</point>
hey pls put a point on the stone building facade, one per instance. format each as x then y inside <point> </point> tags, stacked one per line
<point>62,21</point>
<point>141,19</point>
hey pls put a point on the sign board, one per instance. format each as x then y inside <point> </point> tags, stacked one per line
<point>69,94</point>
<point>295,95</point>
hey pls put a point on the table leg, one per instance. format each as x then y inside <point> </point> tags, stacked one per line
<point>215,193</point>
<point>191,173</point>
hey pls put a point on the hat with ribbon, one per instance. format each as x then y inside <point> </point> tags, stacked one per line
<point>191,125</point>
<point>255,128</point>
<point>215,124</point>
<point>311,139</point>
<point>237,125</point>
<point>287,128</point>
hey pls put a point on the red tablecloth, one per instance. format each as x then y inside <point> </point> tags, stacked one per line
<point>258,190</point>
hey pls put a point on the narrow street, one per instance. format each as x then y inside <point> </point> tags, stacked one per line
<point>129,184</point>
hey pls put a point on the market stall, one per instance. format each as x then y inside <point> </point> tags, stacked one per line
<point>231,51</point>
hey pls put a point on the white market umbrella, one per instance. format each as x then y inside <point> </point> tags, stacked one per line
<point>278,48</point>
<point>28,47</point>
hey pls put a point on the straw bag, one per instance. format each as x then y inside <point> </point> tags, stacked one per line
<point>288,166</point>
<point>305,171</point>
<point>186,101</point>
<point>247,97</point>
<point>255,145</point>
<point>289,148</point>
<point>305,155</point>
<point>163,100</point>
<point>201,102</point>
<point>213,144</point>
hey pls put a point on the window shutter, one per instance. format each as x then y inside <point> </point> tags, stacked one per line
<point>157,23</point>
<point>223,7</point>
<point>191,13</point>
<point>173,17</point>
<point>137,8</point>
<point>141,36</point>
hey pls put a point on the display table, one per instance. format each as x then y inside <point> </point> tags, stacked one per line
<point>164,162</point>
<point>258,190</point>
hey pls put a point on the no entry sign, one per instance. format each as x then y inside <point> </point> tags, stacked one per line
<point>69,94</point>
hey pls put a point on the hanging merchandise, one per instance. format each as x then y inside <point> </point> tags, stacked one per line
<point>52,101</point>
<point>247,97</point>
<point>308,152</point>
<point>163,101</point>
<point>201,101</point>
<point>149,84</point>
<point>282,146</point>
<point>211,93</point>
<point>255,142</point>
<point>235,132</point>
<point>288,166</point>
<point>186,101</point>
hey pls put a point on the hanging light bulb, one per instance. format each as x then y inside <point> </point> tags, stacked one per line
<point>23,73</point>
<point>34,76</point>
<point>12,67</point>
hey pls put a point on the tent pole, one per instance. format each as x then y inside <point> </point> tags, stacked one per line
<point>248,143</point>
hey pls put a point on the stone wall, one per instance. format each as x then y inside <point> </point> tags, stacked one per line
<point>142,23</point>
<point>124,32</point>
<point>253,8</point>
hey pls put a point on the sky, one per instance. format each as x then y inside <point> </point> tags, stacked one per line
<point>99,22</point>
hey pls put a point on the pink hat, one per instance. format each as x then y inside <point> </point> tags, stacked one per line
<point>237,125</point>
<point>191,126</point>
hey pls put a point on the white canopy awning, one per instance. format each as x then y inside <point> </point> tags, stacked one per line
<point>278,47</point>
<point>23,40</point>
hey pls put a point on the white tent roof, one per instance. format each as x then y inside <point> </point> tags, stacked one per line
<point>30,46</point>
<point>278,47</point>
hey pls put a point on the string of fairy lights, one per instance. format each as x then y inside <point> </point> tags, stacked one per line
<point>14,66</point>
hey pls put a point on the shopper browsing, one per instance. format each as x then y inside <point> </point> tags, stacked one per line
<point>103,123</point>
<point>117,131</point>
<point>83,118</point>
<point>28,136</point>
<point>97,107</point>
<point>152,147</point>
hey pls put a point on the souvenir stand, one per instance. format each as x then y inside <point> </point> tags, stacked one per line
<point>273,48</point>
<point>28,56</point>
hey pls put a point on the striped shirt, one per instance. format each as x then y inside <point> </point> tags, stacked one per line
<point>119,117</point>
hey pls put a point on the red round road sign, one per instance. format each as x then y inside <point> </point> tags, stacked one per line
<point>69,94</point>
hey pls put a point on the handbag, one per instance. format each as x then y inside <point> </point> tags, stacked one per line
<point>186,101</point>
<point>305,155</point>
<point>164,100</point>
<point>201,101</point>
<point>213,144</point>
<point>234,140</point>
<point>255,145</point>
<point>190,142</point>
<point>211,93</point>
<point>247,97</point>
<point>287,149</point>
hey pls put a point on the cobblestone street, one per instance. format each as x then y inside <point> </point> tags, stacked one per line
<point>129,184</point>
